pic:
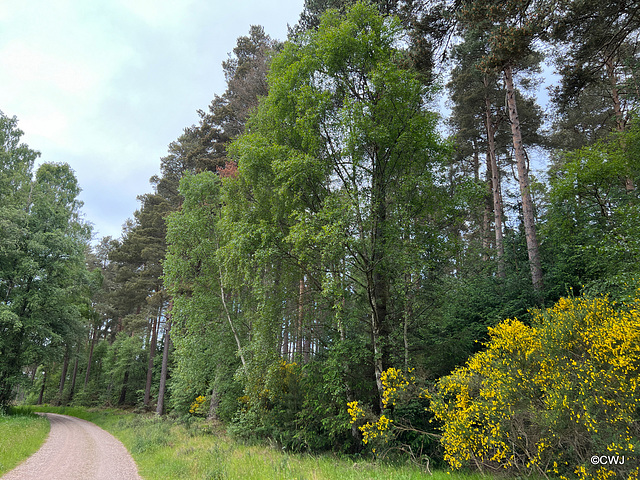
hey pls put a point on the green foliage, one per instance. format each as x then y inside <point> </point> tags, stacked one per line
<point>125,369</point>
<point>338,240</point>
<point>510,28</point>
<point>547,397</point>
<point>42,274</point>
<point>591,226</point>
<point>338,185</point>
<point>206,351</point>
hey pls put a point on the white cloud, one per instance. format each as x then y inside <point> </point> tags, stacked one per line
<point>159,13</point>
<point>106,86</point>
<point>30,67</point>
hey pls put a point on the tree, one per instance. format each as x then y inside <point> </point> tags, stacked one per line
<point>476,120</point>
<point>41,260</point>
<point>314,9</point>
<point>342,159</point>
<point>425,27</point>
<point>203,147</point>
<point>481,128</point>
<point>139,290</point>
<point>590,223</point>
<point>510,28</point>
<point>598,41</point>
<point>597,56</point>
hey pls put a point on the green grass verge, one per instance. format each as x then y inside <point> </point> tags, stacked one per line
<point>166,450</point>
<point>21,435</point>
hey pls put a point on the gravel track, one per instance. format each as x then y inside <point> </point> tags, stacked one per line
<point>77,450</point>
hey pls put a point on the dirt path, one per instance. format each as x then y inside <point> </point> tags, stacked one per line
<point>77,450</point>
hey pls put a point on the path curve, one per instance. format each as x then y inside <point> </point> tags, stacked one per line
<point>77,450</point>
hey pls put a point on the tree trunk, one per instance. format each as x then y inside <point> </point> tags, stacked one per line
<point>408,315</point>
<point>346,369</point>
<point>44,383</point>
<point>486,217</point>
<point>93,342</point>
<point>533,249</point>
<point>123,390</point>
<point>152,353</point>
<point>301,333</point>
<point>615,95</point>
<point>285,340</point>
<point>378,277</point>
<point>617,108</point>
<point>492,167</point>
<point>226,310</point>
<point>165,365</point>
<point>73,379</point>
<point>63,376</point>
<point>486,211</point>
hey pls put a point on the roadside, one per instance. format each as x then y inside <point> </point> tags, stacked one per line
<point>21,435</point>
<point>166,450</point>
<point>77,450</point>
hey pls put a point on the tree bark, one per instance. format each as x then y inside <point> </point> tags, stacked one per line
<point>63,376</point>
<point>615,95</point>
<point>378,277</point>
<point>152,353</point>
<point>285,340</point>
<point>301,340</point>
<point>492,167</point>
<point>165,365</point>
<point>233,329</point>
<point>408,315</point>
<point>73,380</point>
<point>44,383</point>
<point>123,390</point>
<point>533,249</point>
<point>92,344</point>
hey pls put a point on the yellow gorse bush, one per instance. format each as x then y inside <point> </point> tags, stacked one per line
<point>354,411</point>
<point>379,429</point>
<point>395,385</point>
<point>547,398</point>
<point>394,382</point>
<point>197,406</point>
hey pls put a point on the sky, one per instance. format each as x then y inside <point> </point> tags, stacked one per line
<point>106,86</point>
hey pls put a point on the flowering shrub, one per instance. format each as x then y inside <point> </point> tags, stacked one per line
<point>392,429</point>
<point>548,398</point>
<point>394,384</point>
<point>197,407</point>
<point>374,428</point>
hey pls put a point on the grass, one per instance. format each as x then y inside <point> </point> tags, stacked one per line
<point>21,435</point>
<point>166,450</point>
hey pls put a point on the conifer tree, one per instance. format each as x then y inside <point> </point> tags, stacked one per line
<point>510,28</point>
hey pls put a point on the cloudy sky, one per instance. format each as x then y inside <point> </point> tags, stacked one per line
<point>106,85</point>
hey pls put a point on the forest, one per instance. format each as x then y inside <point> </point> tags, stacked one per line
<point>375,241</point>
